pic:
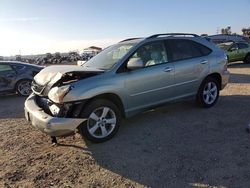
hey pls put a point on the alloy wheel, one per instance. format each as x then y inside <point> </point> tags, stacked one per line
<point>24,88</point>
<point>101,122</point>
<point>210,93</point>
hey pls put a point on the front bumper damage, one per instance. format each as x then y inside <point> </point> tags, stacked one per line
<point>53,126</point>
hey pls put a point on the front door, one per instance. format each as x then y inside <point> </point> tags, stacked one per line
<point>152,84</point>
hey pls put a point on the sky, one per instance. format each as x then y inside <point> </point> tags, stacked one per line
<point>41,26</point>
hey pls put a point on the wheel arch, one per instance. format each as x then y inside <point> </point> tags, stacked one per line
<point>112,98</point>
<point>216,76</point>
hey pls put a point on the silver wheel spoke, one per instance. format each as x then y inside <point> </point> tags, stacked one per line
<point>111,121</point>
<point>209,86</point>
<point>104,131</point>
<point>213,89</point>
<point>105,112</point>
<point>210,93</point>
<point>93,129</point>
<point>101,122</point>
<point>213,97</point>
<point>207,99</point>
<point>94,116</point>
<point>205,92</point>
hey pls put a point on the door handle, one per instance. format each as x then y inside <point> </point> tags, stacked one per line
<point>168,69</point>
<point>204,62</point>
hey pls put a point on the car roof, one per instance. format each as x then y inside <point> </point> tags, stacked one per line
<point>15,62</point>
<point>161,36</point>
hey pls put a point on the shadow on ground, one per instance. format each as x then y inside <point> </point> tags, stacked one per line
<point>181,145</point>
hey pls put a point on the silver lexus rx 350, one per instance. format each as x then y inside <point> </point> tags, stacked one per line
<point>129,77</point>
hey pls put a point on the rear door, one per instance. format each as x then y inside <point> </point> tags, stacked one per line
<point>191,62</point>
<point>7,77</point>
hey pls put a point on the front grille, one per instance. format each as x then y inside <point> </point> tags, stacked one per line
<point>37,88</point>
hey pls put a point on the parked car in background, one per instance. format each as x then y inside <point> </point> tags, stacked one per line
<point>124,79</point>
<point>222,38</point>
<point>17,77</point>
<point>237,51</point>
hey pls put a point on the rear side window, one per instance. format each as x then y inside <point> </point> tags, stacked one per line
<point>5,68</point>
<point>187,49</point>
<point>242,45</point>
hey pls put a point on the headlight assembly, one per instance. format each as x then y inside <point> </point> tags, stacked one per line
<point>56,94</point>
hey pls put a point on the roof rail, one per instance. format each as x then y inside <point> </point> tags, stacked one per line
<point>129,39</point>
<point>172,34</point>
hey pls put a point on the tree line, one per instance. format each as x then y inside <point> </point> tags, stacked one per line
<point>228,31</point>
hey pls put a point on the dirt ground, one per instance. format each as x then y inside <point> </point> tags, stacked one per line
<point>180,145</point>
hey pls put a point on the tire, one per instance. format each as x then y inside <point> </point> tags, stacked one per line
<point>23,87</point>
<point>97,128</point>
<point>208,93</point>
<point>247,59</point>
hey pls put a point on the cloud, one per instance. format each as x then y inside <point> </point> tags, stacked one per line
<point>28,19</point>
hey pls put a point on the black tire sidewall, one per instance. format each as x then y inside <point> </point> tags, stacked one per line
<point>200,98</point>
<point>90,107</point>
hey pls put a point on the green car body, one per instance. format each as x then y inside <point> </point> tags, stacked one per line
<point>237,51</point>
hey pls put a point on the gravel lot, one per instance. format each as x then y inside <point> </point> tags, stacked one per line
<point>180,145</point>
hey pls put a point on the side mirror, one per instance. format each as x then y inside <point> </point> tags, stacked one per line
<point>233,49</point>
<point>135,63</point>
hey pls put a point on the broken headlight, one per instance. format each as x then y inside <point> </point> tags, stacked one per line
<point>56,94</point>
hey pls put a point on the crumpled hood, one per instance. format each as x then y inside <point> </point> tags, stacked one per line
<point>52,74</point>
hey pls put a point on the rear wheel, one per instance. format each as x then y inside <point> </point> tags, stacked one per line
<point>208,93</point>
<point>23,87</point>
<point>103,120</point>
<point>247,59</point>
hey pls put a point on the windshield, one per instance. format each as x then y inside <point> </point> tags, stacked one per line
<point>107,58</point>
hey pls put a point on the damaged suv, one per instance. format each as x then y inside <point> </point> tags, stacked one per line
<point>124,79</point>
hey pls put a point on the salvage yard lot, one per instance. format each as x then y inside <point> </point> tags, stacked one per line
<point>180,145</point>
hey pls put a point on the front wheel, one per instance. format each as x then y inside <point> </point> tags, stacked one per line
<point>208,93</point>
<point>103,120</point>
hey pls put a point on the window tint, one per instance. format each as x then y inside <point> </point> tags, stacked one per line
<point>242,45</point>
<point>151,54</point>
<point>186,49</point>
<point>5,68</point>
<point>204,50</point>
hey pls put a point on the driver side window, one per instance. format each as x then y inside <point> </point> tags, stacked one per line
<point>151,54</point>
